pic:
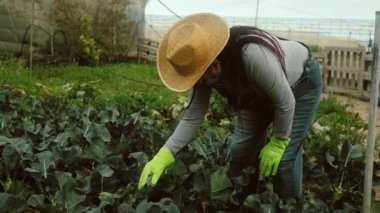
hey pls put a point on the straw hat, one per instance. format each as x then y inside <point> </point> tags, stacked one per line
<point>188,48</point>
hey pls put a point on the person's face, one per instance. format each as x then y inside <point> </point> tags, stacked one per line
<point>212,74</point>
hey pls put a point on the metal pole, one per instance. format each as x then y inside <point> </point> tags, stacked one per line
<point>31,41</point>
<point>372,119</point>
<point>257,12</point>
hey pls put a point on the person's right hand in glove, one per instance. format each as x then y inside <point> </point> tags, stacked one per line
<point>271,154</point>
<point>163,159</point>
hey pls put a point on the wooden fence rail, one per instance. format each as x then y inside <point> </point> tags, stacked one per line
<point>347,71</point>
<point>147,50</point>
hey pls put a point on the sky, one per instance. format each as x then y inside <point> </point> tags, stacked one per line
<point>340,9</point>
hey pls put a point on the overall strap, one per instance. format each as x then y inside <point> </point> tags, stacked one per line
<point>272,45</point>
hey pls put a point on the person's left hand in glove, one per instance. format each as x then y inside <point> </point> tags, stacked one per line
<point>271,154</point>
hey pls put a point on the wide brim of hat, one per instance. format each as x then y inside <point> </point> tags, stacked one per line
<point>217,37</point>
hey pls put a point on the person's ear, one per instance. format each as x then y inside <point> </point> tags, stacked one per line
<point>217,65</point>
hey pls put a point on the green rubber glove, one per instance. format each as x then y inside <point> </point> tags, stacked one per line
<point>271,154</point>
<point>163,159</point>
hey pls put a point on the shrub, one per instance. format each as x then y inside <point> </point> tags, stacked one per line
<point>91,26</point>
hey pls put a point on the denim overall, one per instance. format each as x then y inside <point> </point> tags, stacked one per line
<point>250,136</point>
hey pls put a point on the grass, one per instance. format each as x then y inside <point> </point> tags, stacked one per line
<point>114,84</point>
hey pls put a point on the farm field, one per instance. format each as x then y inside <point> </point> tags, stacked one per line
<point>75,139</point>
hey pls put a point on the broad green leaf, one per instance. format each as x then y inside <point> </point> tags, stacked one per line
<point>212,139</point>
<point>115,114</point>
<point>108,197</point>
<point>144,206</point>
<point>85,122</point>
<point>43,145</point>
<point>199,183</point>
<point>267,208</point>
<point>47,130</point>
<point>10,156</point>
<point>62,138</point>
<point>68,198</point>
<point>74,153</point>
<point>4,140</point>
<point>356,152</point>
<point>89,132</point>
<point>318,205</point>
<point>11,203</point>
<point>4,120</point>
<point>32,170</point>
<point>141,157</point>
<point>99,208</point>
<point>220,181</point>
<point>111,114</point>
<point>104,116</point>
<point>36,200</point>
<point>31,127</point>
<point>135,117</point>
<point>125,208</point>
<point>79,208</point>
<point>221,186</point>
<point>21,145</point>
<point>84,185</point>
<point>167,205</point>
<point>350,152</point>
<point>64,179</point>
<point>347,207</point>
<point>164,205</point>
<point>288,205</point>
<point>222,196</point>
<point>97,151</point>
<point>117,163</point>
<point>179,168</point>
<point>201,150</point>
<point>104,170</point>
<point>47,158</point>
<point>89,110</point>
<point>196,167</point>
<point>330,160</point>
<point>102,132</point>
<point>253,202</point>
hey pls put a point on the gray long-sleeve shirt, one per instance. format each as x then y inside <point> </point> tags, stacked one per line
<point>264,71</point>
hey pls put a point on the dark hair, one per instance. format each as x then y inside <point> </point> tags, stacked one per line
<point>234,78</point>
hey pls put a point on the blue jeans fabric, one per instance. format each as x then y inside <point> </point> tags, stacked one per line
<point>249,137</point>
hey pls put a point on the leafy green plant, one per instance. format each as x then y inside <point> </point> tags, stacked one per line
<point>87,40</point>
<point>61,154</point>
<point>266,201</point>
<point>333,153</point>
<point>315,48</point>
<point>97,83</point>
<point>97,27</point>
